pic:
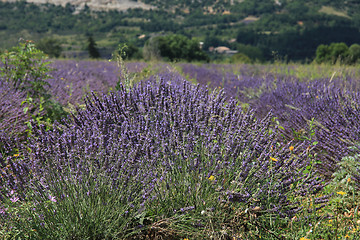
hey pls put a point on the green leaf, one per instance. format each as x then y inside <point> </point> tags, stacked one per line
<point>25,109</point>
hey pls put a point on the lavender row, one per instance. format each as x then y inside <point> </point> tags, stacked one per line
<point>330,104</point>
<point>71,80</point>
<point>13,119</point>
<point>139,139</point>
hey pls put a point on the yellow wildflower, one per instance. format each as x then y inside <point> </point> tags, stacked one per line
<point>16,155</point>
<point>341,193</point>
<point>211,178</point>
<point>291,148</point>
<point>349,179</point>
<point>274,159</point>
<point>304,238</point>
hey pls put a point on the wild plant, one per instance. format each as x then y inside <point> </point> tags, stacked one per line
<point>127,78</point>
<point>25,68</point>
<point>340,217</point>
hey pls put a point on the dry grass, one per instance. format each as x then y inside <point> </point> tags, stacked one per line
<point>332,11</point>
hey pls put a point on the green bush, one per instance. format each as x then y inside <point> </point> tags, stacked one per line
<point>240,58</point>
<point>178,47</point>
<point>354,53</point>
<point>337,53</point>
<point>26,68</point>
<point>91,47</point>
<point>50,46</point>
<point>254,53</point>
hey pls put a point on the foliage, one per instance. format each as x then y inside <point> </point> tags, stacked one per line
<point>128,51</point>
<point>254,53</point>
<point>179,47</point>
<point>338,53</point>
<point>151,50</point>
<point>126,78</point>
<point>240,58</point>
<point>323,53</point>
<point>342,210</point>
<point>25,68</point>
<point>91,47</point>
<point>354,53</point>
<point>50,46</point>
<point>294,29</point>
<point>347,178</point>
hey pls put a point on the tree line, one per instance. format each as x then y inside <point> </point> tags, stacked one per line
<point>291,30</point>
<point>176,47</point>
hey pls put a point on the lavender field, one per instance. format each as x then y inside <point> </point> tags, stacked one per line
<point>182,151</point>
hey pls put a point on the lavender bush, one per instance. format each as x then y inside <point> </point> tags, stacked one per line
<point>24,73</point>
<point>323,111</point>
<point>12,117</point>
<point>165,158</point>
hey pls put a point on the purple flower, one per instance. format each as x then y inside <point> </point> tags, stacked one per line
<point>14,199</point>
<point>3,211</point>
<point>52,198</point>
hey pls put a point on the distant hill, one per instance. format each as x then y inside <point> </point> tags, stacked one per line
<point>337,7</point>
<point>97,5</point>
<point>288,29</point>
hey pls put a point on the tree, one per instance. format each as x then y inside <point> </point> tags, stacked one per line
<point>151,49</point>
<point>50,46</point>
<point>128,51</point>
<point>93,52</point>
<point>247,36</point>
<point>322,53</point>
<point>179,47</point>
<point>336,52</point>
<point>339,52</point>
<point>254,53</point>
<point>354,53</point>
<point>240,58</point>
<point>297,9</point>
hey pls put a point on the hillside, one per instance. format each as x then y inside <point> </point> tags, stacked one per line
<point>97,5</point>
<point>260,29</point>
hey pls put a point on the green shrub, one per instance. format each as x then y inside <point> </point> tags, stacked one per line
<point>26,68</point>
<point>50,46</point>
